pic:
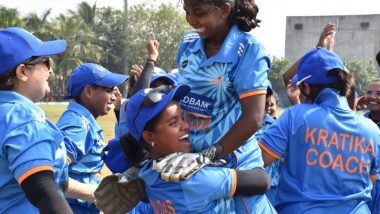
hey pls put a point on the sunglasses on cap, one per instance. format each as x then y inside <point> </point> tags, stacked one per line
<point>152,97</point>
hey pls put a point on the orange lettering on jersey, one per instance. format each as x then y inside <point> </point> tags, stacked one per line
<point>162,207</point>
<point>369,148</point>
<point>310,134</point>
<point>206,124</point>
<point>354,169</point>
<point>359,144</point>
<point>171,210</point>
<point>334,141</point>
<point>322,136</point>
<point>311,163</point>
<point>329,158</point>
<point>338,162</point>
<point>362,166</point>
<point>343,136</point>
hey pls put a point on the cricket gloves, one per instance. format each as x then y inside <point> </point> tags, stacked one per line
<point>179,166</point>
<point>120,193</point>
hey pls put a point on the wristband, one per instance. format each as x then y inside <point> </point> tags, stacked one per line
<point>214,152</point>
<point>151,60</point>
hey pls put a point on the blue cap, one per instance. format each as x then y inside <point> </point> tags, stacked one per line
<point>314,66</point>
<point>139,115</point>
<point>17,45</point>
<point>91,74</point>
<point>168,79</point>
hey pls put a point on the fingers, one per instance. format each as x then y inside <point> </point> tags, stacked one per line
<point>158,165</point>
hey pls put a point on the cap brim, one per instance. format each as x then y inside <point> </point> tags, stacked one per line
<point>112,79</point>
<point>51,48</point>
<point>294,80</point>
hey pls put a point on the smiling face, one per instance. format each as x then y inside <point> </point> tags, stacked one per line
<point>209,21</point>
<point>372,97</point>
<point>99,100</point>
<point>170,133</point>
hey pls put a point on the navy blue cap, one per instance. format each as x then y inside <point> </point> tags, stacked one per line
<point>17,45</point>
<point>92,74</point>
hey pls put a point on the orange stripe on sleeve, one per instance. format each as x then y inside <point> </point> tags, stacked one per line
<point>234,180</point>
<point>252,93</point>
<point>69,159</point>
<point>33,171</point>
<point>267,150</point>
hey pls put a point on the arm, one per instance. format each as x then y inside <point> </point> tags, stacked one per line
<point>146,74</point>
<point>252,182</point>
<point>42,192</point>
<point>249,122</point>
<point>80,190</point>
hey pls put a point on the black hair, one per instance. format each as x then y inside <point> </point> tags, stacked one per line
<point>345,84</point>
<point>137,152</point>
<point>243,12</point>
<point>378,58</point>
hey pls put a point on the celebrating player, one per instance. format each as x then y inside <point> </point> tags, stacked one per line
<point>155,123</point>
<point>332,152</point>
<point>29,141</point>
<point>92,88</point>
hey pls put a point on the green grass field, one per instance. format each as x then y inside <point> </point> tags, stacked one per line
<point>54,111</point>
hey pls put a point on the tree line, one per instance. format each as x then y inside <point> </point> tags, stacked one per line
<point>109,37</point>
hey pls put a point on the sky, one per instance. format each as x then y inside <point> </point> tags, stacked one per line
<point>272,13</point>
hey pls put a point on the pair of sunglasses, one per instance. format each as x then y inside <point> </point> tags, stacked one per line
<point>152,97</point>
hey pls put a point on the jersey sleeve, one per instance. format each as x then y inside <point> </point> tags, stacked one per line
<point>375,166</point>
<point>30,149</point>
<point>212,183</point>
<point>75,133</point>
<point>250,77</point>
<point>276,137</point>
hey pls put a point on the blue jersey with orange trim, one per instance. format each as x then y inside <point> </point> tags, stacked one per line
<point>84,143</point>
<point>207,191</point>
<point>332,152</point>
<point>29,142</point>
<point>218,83</point>
<point>212,107</point>
<point>374,203</point>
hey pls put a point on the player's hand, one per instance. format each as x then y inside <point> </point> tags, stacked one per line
<point>119,98</point>
<point>327,37</point>
<point>361,103</point>
<point>136,71</point>
<point>293,93</point>
<point>152,48</point>
<point>179,166</point>
<point>119,193</point>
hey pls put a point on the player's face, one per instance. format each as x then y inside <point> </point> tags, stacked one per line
<point>272,106</point>
<point>37,85</point>
<point>207,20</point>
<point>101,100</point>
<point>171,132</point>
<point>372,97</point>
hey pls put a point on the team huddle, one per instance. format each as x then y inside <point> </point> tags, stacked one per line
<point>201,138</point>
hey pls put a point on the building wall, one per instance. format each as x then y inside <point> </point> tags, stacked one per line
<point>357,36</point>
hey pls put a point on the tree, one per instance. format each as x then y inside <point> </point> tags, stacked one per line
<point>363,71</point>
<point>166,24</point>
<point>10,17</point>
<point>279,66</point>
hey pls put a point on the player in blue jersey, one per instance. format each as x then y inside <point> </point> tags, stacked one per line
<point>227,68</point>
<point>372,101</point>
<point>156,124</point>
<point>91,86</point>
<point>332,152</point>
<point>29,141</point>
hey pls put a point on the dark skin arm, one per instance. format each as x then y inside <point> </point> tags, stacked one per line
<point>253,108</point>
